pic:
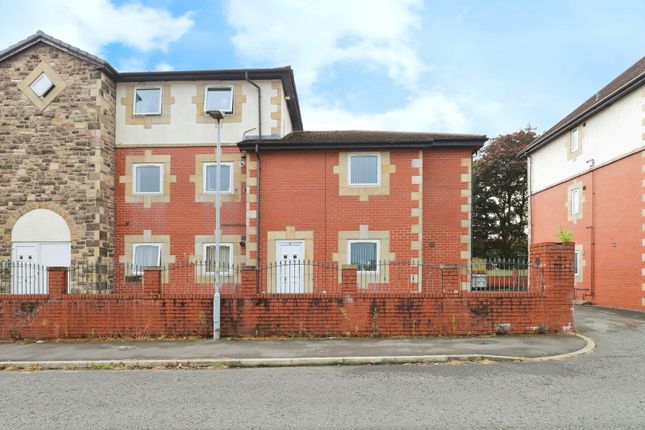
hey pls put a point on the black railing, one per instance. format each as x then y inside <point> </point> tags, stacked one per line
<point>398,276</point>
<point>298,277</point>
<point>294,277</point>
<point>504,274</point>
<point>199,277</point>
<point>17,277</point>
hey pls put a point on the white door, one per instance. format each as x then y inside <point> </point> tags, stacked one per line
<point>290,266</point>
<point>25,271</point>
<point>30,263</point>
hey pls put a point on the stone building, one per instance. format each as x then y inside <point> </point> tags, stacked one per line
<point>57,147</point>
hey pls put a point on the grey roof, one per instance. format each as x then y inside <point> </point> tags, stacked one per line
<point>348,139</point>
<point>625,83</point>
<point>285,74</point>
<point>45,38</point>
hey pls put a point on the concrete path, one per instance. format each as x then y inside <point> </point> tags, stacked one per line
<point>250,353</point>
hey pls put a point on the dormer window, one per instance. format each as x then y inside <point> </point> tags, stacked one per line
<point>42,86</point>
<point>147,101</point>
<point>219,98</point>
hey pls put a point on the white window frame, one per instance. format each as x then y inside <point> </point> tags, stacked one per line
<point>134,101</point>
<point>205,167</point>
<point>230,257</point>
<point>575,138</point>
<point>378,169</point>
<point>577,262</point>
<point>135,268</point>
<point>378,254</point>
<point>134,179</point>
<point>48,90</point>
<point>574,197</point>
<point>229,111</point>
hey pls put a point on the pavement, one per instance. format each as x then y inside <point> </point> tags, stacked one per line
<point>290,352</point>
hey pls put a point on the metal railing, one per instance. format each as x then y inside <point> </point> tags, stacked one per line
<point>402,276</point>
<point>399,276</point>
<point>294,277</point>
<point>299,277</point>
<point>504,275</point>
<point>17,277</point>
<point>199,277</point>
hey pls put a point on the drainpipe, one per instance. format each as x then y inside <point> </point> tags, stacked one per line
<point>592,286</point>
<point>257,154</point>
<point>529,183</point>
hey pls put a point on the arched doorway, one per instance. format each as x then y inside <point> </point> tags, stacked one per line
<point>39,239</point>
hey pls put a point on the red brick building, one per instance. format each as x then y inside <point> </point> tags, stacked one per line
<point>142,192</point>
<point>586,174</point>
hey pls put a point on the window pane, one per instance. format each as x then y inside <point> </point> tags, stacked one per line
<point>575,201</point>
<point>219,99</point>
<point>148,179</point>
<point>574,140</point>
<point>364,169</point>
<point>576,262</point>
<point>146,255</point>
<point>363,255</point>
<point>148,100</point>
<point>225,178</point>
<point>224,257</point>
<point>42,85</point>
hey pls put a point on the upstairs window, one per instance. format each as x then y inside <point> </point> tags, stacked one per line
<point>146,255</point>
<point>575,201</point>
<point>147,101</point>
<point>226,177</point>
<point>42,86</point>
<point>364,255</point>
<point>575,144</point>
<point>219,98</point>
<point>364,170</point>
<point>225,258</point>
<point>148,178</point>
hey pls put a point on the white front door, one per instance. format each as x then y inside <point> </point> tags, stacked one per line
<point>30,262</point>
<point>25,271</point>
<point>290,266</point>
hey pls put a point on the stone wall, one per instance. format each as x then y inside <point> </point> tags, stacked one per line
<point>60,156</point>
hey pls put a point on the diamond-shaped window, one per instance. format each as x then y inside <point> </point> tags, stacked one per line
<point>42,85</point>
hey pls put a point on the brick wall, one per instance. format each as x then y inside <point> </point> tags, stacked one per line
<point>352,313</point>
<point>151,312</point>
<point>613,213</point>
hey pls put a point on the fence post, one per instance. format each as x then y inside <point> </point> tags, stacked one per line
<point>450,278</point>
<point>349,278</point>
<point>249,280</point>
<point>152,281</point>
<point>57,281</point>
<point>553,262</point>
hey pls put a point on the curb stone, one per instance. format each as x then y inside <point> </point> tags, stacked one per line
<point>283,362</point>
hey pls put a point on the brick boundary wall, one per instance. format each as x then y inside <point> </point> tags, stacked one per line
<point>150,313</point>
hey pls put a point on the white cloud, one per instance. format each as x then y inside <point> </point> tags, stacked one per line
<point>93,24</point>
<point>313,35</point>
<point>430,111</point>
<point>316,36</point>
<point>164,67</point>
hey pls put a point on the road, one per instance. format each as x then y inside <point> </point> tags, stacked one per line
<point>605,389</point>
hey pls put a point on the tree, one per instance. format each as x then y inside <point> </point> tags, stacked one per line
<point>500,197</point>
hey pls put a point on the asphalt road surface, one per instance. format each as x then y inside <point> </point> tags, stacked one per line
<point>605,389</point>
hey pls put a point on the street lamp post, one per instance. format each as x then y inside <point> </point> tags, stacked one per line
<point>217,115</point>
